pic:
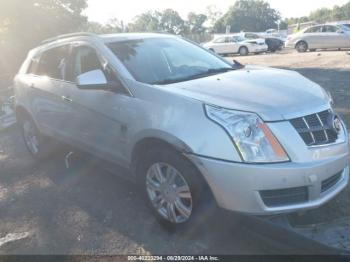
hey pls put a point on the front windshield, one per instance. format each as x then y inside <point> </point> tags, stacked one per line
<point>345,27</point>
<point>166,60</point>
<point>238,38</point>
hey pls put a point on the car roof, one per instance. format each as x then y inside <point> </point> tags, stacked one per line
<point>106,38</point>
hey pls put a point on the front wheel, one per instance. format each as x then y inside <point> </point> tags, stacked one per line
<point>243,51</point>
<point>173,187</point>
<point>301,47</point>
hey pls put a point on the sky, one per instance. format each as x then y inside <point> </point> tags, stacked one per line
<point>102,10</point>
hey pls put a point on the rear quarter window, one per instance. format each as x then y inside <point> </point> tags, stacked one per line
<point>33,66</point>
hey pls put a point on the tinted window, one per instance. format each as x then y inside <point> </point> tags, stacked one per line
<point>330,29</point>
<point>33,66</point>
<point>251,36</point>
<point>164,60</point>
<point>221,40</point>
<point>53,63</point>
<point>345,27</point>
<point>86,59</point>
<point>238,38</point>
<point>315,29</point>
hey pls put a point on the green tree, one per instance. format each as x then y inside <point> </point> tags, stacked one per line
<point>172,22</point>
<point>321,15</point>
<point>146,22</point>
<point>195,23</point>
<point>248,15</point>
<point>23,24</point>
<point>111,27</point>
<point>213,15</point>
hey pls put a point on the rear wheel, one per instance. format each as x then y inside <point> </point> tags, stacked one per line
<point>243,51</point>
<point>301,47</point>
<point>38,145</point>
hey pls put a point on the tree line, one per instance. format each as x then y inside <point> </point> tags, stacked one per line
<point>23,24</point>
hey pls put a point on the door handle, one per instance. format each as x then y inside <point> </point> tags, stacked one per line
<point>66,99</point>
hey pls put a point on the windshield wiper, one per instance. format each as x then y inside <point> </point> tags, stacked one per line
<point>237,65</point>
<point>209,72</point>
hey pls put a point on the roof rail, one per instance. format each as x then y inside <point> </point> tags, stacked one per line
<point>66,36</point>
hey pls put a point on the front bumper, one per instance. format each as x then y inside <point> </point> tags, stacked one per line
<point>238,186</point>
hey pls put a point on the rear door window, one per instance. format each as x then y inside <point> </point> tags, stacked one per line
<point>33,66</point>
<point>53,63</point>
<point>329,29</point>
<point>222,40</point>
<point>315,29</point>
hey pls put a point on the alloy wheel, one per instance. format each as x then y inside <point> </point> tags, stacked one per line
<point>302,47</point>
<point>31,137</point>
<point>169,193</point>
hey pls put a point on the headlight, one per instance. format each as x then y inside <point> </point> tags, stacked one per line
<point>330,98</point>
<point>251,136</point>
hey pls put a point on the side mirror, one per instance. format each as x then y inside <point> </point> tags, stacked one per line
<point>340,32</point>
<point>95,79</point>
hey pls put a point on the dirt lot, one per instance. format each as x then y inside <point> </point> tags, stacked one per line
<point>47,209</point>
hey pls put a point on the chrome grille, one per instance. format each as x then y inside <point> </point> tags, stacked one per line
<point>316,129</point>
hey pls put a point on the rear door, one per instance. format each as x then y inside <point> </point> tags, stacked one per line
<point>47,86</point>
<point>314,37</point>
<point>222,45</point>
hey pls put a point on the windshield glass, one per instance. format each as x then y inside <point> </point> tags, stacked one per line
<point>345,27</point>
<point>238,38</point>
<point>167,60</point>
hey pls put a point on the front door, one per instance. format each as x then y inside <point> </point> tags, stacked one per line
<point>99,125</point>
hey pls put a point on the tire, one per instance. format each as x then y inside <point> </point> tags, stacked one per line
<point>301,47</point>
<point>165,163</point>
<point>39,146</point>
<point>243,51</point>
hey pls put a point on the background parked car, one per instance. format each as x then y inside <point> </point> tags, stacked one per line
<point>320,37</point>
<point>273,43</point>
<point>236,44</point>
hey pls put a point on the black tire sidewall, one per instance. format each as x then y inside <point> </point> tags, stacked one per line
<point>243,48</point>
<point>300,43</point>
<point>45,147</point>
<point>189,173</point>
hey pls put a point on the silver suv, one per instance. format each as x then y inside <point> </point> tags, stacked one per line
<point>189,125</point>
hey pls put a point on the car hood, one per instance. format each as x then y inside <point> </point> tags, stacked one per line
<point>274,94</point>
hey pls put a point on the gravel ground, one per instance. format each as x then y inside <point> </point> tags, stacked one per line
<point>86,210</point>
<point>47,209</point>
